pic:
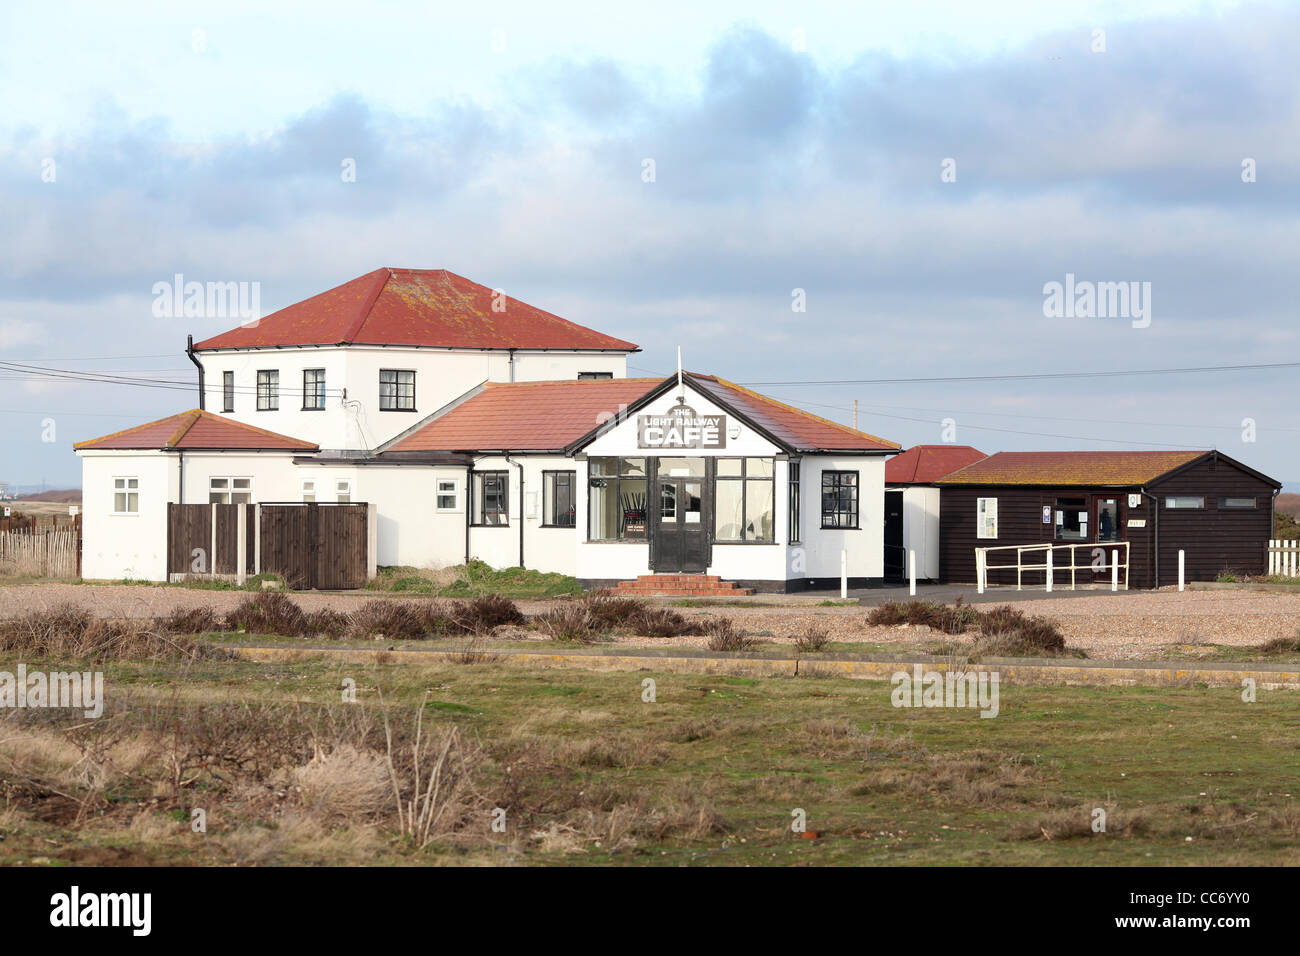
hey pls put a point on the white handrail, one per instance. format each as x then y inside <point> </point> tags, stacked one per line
<point>1050,566</point>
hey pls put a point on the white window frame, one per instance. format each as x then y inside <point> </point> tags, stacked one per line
<point>343,489</point>
<point>1176,503</point>
<point>983,508</point>
<point>229,489</point>
<point>440,491</point>
<point>308,490</point>
<point>130,486</point>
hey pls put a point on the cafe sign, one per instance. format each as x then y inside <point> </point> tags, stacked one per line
<point>681,427</point>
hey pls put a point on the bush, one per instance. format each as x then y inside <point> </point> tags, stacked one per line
<point>192,620</point>
<point>613,610</point>
<point>481,614</point>
<point>67,631</point>
<point>724,635</point>
<point>416,584</point>
<point>1009,632</point>
<point>396,620</point>
<point>662,622</point>
<point>326,622</point>
<point>571,622</point>
<point>811,639</point>
<point>270,612</point>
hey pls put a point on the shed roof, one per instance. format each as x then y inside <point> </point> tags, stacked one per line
<point>415,307</point>
<point>196,429</point>
<point>1118,469</point>
<point>925,464</point>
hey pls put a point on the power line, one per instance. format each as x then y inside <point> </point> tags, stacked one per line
<point>1033,376</point>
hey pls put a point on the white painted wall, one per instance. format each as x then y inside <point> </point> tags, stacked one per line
<point>356,422</point>
<point>866,545</point>
<point>126,546</point>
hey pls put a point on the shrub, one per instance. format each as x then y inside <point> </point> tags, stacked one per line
<point>1281,645</point>
<point>1008,631</point>
<point>613,610</point>
<point>481,614</point>
<point>68,631</point>
<point>326,621</point>
<point>661,622</point>
<point>269,612</point>
<point>724,635</point>
<point>571,622</point>
<point>192,620</point>
<point>413,583</point>
<point>397,620</point>
<point>811,639</point>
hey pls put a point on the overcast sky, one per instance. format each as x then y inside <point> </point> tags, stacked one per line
<point>794,147</point>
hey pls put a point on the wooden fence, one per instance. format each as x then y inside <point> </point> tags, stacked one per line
<point>27,549</point>
<point>1284,558</point>
<point>309,545</point>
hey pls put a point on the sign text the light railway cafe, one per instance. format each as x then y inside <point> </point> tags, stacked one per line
<point>682,427</point>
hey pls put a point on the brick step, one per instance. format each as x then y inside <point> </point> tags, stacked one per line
<point>689,592</point>
<point>689,578</point>
<point>694,585</point>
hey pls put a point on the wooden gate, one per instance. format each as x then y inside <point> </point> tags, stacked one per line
<point>191,547</point>
<point>315,545</point>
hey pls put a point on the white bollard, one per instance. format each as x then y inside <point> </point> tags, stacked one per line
<point>1182,570</point>
<point>979,572</point>
<point>1114,570</point>
<point>1049,570</point>
<point>844,574</point>
<point>911,572</point>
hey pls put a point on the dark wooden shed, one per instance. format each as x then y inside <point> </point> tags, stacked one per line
<point>1216,509</point>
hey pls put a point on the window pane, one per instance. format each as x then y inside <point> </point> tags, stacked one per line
<point>634,467</point>
<point>1108,519</point>
<point>681,467</point>
<point>602,507</point>
<point>1237,503</point>
<point>132,502</point>
<point>217,483</point>
<point>759,510</point>
<point>119,502</point>
<point>603,466</point>
<point>728,466</point>
<point>632,508</point>
<point>241,483</point>
<point>727,514</point>
<point>758,467</point>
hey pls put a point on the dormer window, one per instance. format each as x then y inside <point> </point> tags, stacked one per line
<point>396,390</point>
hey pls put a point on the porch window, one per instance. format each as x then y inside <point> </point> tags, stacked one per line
<point>126,496</point>
<point>616,499</point>
<point>230,491</point>
<point>227,391</point>
<point>490,495</point>
<point>744,500</point>
<point>840,499</point>
<point>396,390</point>
<point>268,390</point>
<point>1185,502</point>
<point>559,500</point>
<point>313,389</point>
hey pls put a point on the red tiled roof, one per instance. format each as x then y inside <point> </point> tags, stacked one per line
<point>526,416</point>
<point>1104,468</point>
<point>430,307</point>
<point>549,416</point>
<point>801,430</point>
<point>197,429</point>
<point>924,464</point>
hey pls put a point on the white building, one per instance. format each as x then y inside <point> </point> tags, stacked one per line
<point>912,506</point>
<point>481,428</point>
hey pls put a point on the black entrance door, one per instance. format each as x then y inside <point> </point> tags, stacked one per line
<point>895,553</point>
<point>680,543</point>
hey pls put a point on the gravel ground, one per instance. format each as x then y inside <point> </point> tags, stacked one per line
<point>1123,626</point>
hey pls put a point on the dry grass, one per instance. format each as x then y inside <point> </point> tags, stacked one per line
<point>68,631</point>
<point>724,635</point>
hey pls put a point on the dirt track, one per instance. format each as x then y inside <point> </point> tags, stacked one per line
<point>1126,626</point>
